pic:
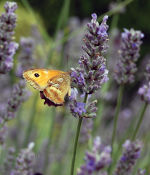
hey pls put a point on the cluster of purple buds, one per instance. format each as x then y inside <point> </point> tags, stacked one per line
<point>77,108</point>
<point>81,109</point>
<point>16,99</point>
<point>129,54</point>
<point>131,153</point>
<point>96,160</point>
<point>7,46</point>
<point>24,162</point>
<point>144,92</point>
<point>26,55</point>
<point>18,95</point>
<point>91,72</point>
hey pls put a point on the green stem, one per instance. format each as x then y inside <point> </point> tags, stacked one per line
<point>119,100</point>
<point>31,120</point>
<point>141,117</point>
<point>75,145</point>
<point>49,143</point>
<point>76,140</point>
<point>125,137</point>
<point>119,148</point>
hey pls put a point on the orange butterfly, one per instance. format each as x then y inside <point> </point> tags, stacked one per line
<point>53,85</point>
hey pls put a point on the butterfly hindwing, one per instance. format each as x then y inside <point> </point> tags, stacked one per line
<point>58,87</point>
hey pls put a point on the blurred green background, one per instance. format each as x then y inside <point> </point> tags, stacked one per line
<point>135,15</point>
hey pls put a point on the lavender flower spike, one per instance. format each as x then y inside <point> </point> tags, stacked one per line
<point>25,162</point>
<point>7,46</point>
<point>96,160</point>
<point>18,95</point>
<point>91,72</point>
<point>128,159</point>
<point>129,54</point>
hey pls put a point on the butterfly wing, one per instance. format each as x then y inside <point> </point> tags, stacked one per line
<point>58,87</point>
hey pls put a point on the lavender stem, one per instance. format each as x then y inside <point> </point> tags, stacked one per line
<point>119,100</point>
<point>125,137</point>
<point>141,117</point>
<point>76,139</point>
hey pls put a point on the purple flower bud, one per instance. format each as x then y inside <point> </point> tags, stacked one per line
<point>79,108</point>
<point>94,16</point>
<point>131,41</point>
<point>74,93</point>
<point>95,160</point>
<point>128,159</point>
<point>10,7</point>
<point>7,47</point>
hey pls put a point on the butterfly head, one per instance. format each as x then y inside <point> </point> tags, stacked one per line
<point>37,78</point>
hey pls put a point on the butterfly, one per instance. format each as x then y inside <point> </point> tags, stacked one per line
<point>54,85</point>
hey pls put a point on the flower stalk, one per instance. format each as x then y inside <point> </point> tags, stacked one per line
<point>76,139</point>
<point>7,46</point>
<point>90,74</point>
<point>131,154</point>
<point>141,117</point>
